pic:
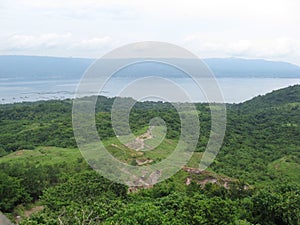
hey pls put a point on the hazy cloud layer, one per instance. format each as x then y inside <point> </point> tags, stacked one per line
<point>89,28</point>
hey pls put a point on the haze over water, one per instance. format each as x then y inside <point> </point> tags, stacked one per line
<point>234,90</point>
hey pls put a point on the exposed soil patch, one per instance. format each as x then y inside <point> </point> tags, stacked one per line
<point>203,177</point>
<point>139,142</point>
<point>35,209</point>
<point>143,162</point>
<point>29,212</point>
<point>18,153</point>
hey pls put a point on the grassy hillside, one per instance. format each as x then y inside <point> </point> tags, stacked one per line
<point>44,156</point>
<point>259,132</point>
<point>254,179</point>
<point>287,167</point>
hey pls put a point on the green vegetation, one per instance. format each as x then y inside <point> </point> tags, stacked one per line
<point>44,156</point>
<point>288,167</point>
<point>254,179</point>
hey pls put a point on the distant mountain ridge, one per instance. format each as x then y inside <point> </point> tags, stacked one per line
<point>44,67</point>
<point>235,67</point>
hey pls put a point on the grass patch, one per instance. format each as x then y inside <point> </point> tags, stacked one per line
<point>287,168</point>
<point>44,156</point>
<point>195,160</point>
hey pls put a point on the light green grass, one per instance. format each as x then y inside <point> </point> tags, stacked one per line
<point>195,160</point>
<point>286,168</point>
<point>44,156</point>
<point>120,151</point>
<point>162,151</point>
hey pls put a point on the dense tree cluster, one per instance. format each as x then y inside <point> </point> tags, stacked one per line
<point>87,198</point>
<point>260,150</point>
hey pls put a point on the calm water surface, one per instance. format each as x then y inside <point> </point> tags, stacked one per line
<point>234,90</point>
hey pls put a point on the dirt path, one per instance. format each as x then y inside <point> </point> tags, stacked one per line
<point>209,177</point>
<point>139,142</point>
<point>35,209</point>
<point>29,212</point>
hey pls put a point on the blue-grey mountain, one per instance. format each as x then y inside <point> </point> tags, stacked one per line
<point>41,67</point>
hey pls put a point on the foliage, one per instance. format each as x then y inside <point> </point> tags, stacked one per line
<point>260,153</point>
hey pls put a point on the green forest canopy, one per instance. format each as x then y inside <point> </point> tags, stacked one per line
<point>261,149</point>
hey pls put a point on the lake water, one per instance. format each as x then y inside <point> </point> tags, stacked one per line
<point>234,90</point>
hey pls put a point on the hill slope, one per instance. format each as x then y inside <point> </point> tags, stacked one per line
<point>261,149</point>
<point>40,67</point>
<point>237,67</point>
<point>260,132</point>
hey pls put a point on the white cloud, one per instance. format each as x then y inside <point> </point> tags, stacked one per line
<point>47,40</point>
<point>278,48</point>
<point>177,7</point>
<point>64,44</point>
<point>279,11</point>
<point>94,43</point>
<point>80,9</point>
<point>257,28</point>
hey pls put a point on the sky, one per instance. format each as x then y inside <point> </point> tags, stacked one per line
<point>267,29</point>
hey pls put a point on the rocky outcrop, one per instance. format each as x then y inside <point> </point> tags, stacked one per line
<point>4,220</point>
